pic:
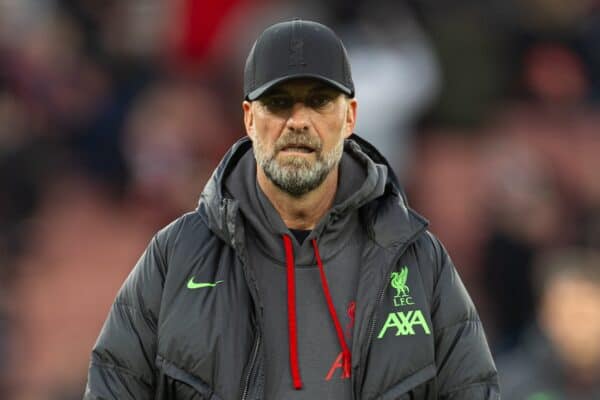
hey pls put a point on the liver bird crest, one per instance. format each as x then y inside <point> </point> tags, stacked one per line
<point>399,281</point>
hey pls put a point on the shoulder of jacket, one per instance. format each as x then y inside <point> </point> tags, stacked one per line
<point>185,224</point>
<point>429,245</point>
<point>431,252</point>
<point>182,234</point>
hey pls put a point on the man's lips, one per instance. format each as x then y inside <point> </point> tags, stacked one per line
<point>297,148</point>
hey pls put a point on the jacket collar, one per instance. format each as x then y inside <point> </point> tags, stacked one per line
<point>388,219</point>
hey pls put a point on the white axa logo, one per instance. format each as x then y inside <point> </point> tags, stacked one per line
<point>405,322</point>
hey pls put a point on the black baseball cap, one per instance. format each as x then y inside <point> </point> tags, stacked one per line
<point>296,49</point>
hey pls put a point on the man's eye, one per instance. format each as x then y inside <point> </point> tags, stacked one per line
<point>319,100</point>
<point>278,103</point>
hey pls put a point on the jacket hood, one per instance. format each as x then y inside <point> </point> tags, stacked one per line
<point>367,184</point>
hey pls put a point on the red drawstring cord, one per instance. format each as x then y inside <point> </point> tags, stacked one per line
<point>292,325</point>
<point>292,328</point>
<point>338,327</point>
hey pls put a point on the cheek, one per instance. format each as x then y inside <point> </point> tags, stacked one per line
<point>333,127</point>
<point>267,127</point>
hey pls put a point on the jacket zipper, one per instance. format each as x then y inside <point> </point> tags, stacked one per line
<point>379,300</point>
<point>254,295</point>
<point>258,324</point>
<point>251,369</point>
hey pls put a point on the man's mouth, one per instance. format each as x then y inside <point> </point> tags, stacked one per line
<point>298,148</point>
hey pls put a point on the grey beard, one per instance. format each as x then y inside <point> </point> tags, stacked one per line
<point>296,176</point>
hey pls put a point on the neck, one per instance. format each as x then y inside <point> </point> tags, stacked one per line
<point>302,212</point>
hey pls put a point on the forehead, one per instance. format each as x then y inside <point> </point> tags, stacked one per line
<point>301,86</point>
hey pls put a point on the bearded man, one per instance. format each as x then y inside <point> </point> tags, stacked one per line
<point>303,273</point>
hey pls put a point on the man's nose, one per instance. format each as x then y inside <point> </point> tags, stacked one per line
<point>299,117</point>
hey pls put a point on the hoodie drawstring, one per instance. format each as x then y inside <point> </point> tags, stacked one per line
<point>292,329</point>
<point>346,356</point>
<point>292,325</point>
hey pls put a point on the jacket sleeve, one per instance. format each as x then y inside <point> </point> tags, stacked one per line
<point>465,366</point>
<point>122,360</point>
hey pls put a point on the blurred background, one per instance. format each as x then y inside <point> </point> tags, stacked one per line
<point>114,113</point>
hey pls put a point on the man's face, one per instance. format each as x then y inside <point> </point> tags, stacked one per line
<point>298,130</point>
<point>570,315</point>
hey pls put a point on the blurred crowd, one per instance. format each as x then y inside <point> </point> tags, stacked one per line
<point>113,115</point>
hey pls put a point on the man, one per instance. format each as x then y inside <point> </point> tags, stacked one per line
<point>559,356</point>
<point>302,274</point>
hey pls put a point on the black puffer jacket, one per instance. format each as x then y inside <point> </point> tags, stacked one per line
<point>417,334</point>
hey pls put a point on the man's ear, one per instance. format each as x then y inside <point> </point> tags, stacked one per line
<point>248,118</point>
<point>350,117</point>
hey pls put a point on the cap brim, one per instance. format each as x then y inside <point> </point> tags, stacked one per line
<point>256,93</point>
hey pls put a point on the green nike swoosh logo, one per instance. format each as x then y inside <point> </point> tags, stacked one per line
<point>197,285</point>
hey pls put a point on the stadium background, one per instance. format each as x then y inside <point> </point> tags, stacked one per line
<point>114,113</point>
